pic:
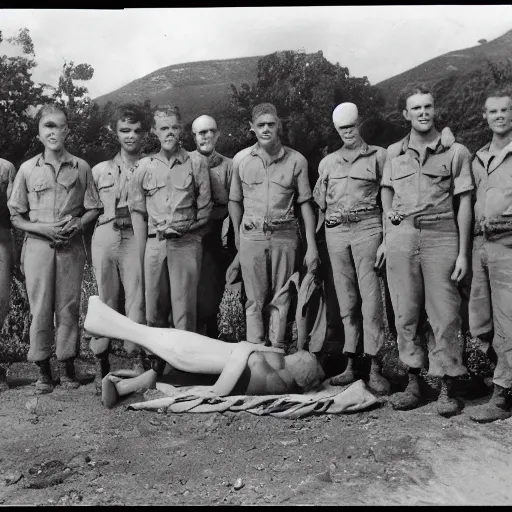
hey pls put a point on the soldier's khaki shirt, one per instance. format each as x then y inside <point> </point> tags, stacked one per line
<point>345,184</point>
<point>174,194</point>
<point>493,181</point>
<point>443,173</point>
<point>270,191</point>
<point>48,194</point>
<point>7,175</point>
<point>221,172</point>
<point>112,180</point>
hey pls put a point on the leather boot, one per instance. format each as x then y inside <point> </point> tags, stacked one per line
<point>497,408</point>
<point>410,398</point>
<point>101,369</point>
<point>67,374</point>
<point>348,376</point>
<point>376,381</point>
<point>447,404</point>
<point>44,383</point>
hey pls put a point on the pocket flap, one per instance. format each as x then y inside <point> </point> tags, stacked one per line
<point>106,180</point>
<point>440,171</point>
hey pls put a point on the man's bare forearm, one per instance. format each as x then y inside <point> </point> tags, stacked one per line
<point>309,224</point>
<point>464,219</point>
<point>236,211</point>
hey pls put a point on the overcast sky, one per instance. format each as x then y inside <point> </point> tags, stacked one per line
<point>123,45</point>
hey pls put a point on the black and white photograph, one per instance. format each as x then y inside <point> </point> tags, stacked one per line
<point>256,256</point>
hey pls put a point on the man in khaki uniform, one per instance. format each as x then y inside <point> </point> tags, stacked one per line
<point>52,200</point>
<point>346,191</point>
<point>269,180</point>
<point>215,262</point>
<point>170,204</point>
<point>115,255</point>
<point>490,305</point>
<point>426,246</point>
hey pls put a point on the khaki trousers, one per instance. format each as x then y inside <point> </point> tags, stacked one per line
<point>115,260</point>
<point>53,278</point>
<point>171,270</point>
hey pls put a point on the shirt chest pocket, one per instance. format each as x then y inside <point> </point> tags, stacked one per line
<point>439,175</point>
<point>364,173</point>
<point>153,183</point>
<point>106,182</point>
<point>284,180</point>
<point>403,175</point>
<point>336,182</point>
<point>68,177</point>
<point>251,180</point>
<point>183,181</point>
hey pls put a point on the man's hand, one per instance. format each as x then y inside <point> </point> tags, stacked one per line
<point>380,256</point>
<point>73,227</point>
<point>311,259</point>
<point>461,268</point>
<point>237,241</point>
<point>53,231</point>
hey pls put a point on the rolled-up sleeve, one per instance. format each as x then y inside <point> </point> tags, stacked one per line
<point>91,197</point>
<point>203,188</point>
<point>301,175</point>
<point>18,201</point>
<point>320,190</point>
<point>461,169</point>
<point>381,162</point>
<point>235,190</point>
<point>386,173</point>
<point>136,196</point>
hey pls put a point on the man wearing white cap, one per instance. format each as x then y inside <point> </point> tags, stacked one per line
<point>426,196</point>
<point>347,191</point>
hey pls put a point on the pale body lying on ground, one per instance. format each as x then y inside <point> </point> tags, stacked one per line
<point>244,368</point>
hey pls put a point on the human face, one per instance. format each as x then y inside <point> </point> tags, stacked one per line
<point>206,135</point>
<point>129,136</point>
<point>498,113</point>
<point>266,128</point>
<point>168,131</point>
<point>349,135</point>
<point>53,130</point>
<point>419,111</point>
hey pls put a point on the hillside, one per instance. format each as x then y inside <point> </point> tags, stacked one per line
<point>195,86</point>
<point>459,62</point>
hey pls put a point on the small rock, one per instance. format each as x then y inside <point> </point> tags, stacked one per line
<point>289,442</point>
<point>99,489</point>
<point>238,484</point>
<point>186,493</point>
<point>13,478</point>
<point>31,405</point>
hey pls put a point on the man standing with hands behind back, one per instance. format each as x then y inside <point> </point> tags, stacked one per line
<point>52,200</point>
<point>269,179</point>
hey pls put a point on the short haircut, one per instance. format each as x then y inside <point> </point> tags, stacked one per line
<point>131,113</point>
<point>410,90</point>
<point>166,110</point>
<point>502,91</point>
<point>264,108</point>
<point>50,108</point>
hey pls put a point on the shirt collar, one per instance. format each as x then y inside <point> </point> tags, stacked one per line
<point>256,150</point>
<point>181,157</point>
<point>214,159</point>
<point>435,145</point>
<point>483,156</point>
<point>68,159</point>
<point>121,164</point>
<point>364,150</point>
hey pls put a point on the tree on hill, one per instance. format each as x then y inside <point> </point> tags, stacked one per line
<point>305,88</point>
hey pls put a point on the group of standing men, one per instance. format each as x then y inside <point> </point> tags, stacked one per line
<point>159,224</point>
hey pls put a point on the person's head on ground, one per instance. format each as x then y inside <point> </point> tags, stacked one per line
<point>167,127</point>
<point>497,111</point>
<point>52,122</point>
<point>305,369</point>
<point>416,102</point>
<point>266,125</point>
<point>345,118</point>
<point>205,133</point>
<point>130,125</point>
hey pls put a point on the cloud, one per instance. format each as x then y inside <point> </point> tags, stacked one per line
<point>123,45</point>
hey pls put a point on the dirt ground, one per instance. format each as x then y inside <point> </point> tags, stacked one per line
<point>66,448</point>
